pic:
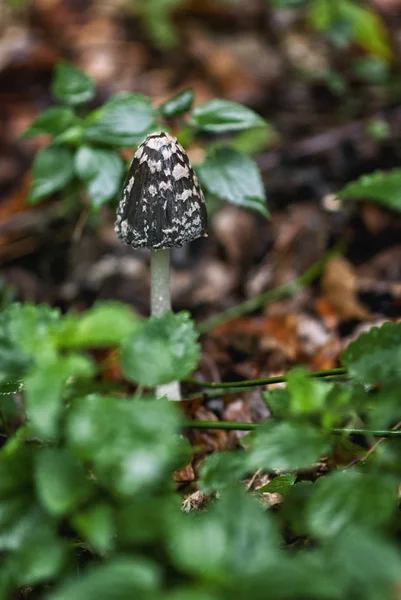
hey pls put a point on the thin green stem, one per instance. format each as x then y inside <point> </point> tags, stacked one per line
<point>283,291</point>
<point>264,380</point>
<point>232,425</point>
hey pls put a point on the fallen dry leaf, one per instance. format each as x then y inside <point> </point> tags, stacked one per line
<point>340,287</point>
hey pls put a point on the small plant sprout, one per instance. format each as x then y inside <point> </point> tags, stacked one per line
<point>162,207</point>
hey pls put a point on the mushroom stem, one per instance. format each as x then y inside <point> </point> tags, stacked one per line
<point>160,297</point>
<point>160,303</point>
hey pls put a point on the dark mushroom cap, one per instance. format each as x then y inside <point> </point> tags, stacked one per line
<point>162,204</point>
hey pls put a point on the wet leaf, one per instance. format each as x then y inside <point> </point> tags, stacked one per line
<point>123,121</point>
<point>234,176</point>
<point>102,170</point>
<point>71,85</point>
<point>53,168</point>
<point>219,116</point>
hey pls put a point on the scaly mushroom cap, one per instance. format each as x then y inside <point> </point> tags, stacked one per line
<point>162,204</point>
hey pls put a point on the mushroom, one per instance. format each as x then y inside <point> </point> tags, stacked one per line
<point>162,207</point>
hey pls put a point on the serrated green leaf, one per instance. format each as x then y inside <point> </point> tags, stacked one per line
<point>52,169</point>
<point>123,121</point>
<point>375,356</point>
<point>25,337</point>
<point>234,176</point>
<point>61,483</point>
<point>199,542</point>
<point>219,116</point>
<point>285,446</point>
<point>96,524</point>
<point>294,506</point>
<point>278,402</point>
<point>164,350</point>
<point>145,519</point>
<point>178,105</point>
<point>383,406</point>
<point>280,484</point>
<point>255,140</point>
<point>102,170</point>
<point>40,558</point>
<point>71,85</point>
<point>122,578</point>
<point>383,187</point>
<point>360,559</point>
<point>222,470</point>
<point>54,121</point>
<point>44,387</point>
<point>348,498</point>
<point>105,324</point>
<point>36,553</point>
<point>307,395</point>
<point>131,444</point>
<point>15,468</point>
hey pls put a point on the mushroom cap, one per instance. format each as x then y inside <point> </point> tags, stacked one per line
<point>162,204</point>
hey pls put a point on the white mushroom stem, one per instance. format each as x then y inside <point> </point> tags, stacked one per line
<point>160,303</point>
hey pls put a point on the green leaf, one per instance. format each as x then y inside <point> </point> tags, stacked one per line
<point>122,578</point>
<point>375,356</point>
<point>123,121</point>
<point>285,446</point>
<point>278,402</point>
<point>219,116</point>
<point>71,85</point>
<point>157,21</point>
<point>44,387</point>
<point>178,105</point>
<point>102,170</point>
<point>369,30</point>
<point>24,336</point>
<point>40,558</point>
<point>96,525</point>
<point>36,552</point>
<point>361,24</point>
<point>371,69</point>
<point>233,176</point>
<point>61,483</point>
<point>132,445</point>
<point>383,187</point>
<point>164,350</point>
<point>105,324</point>
<point>307,395</point>
<point>255,140</point>
<point>15,467</point>
<point>364,561</point>
<point>222,470</point>
<point>233,538</point>
<point>294,507</point>
<point>54,121</point>
<point>53,168</point>
<point>348,498</point>
<point>147,518</point>
<point>280,484</point>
